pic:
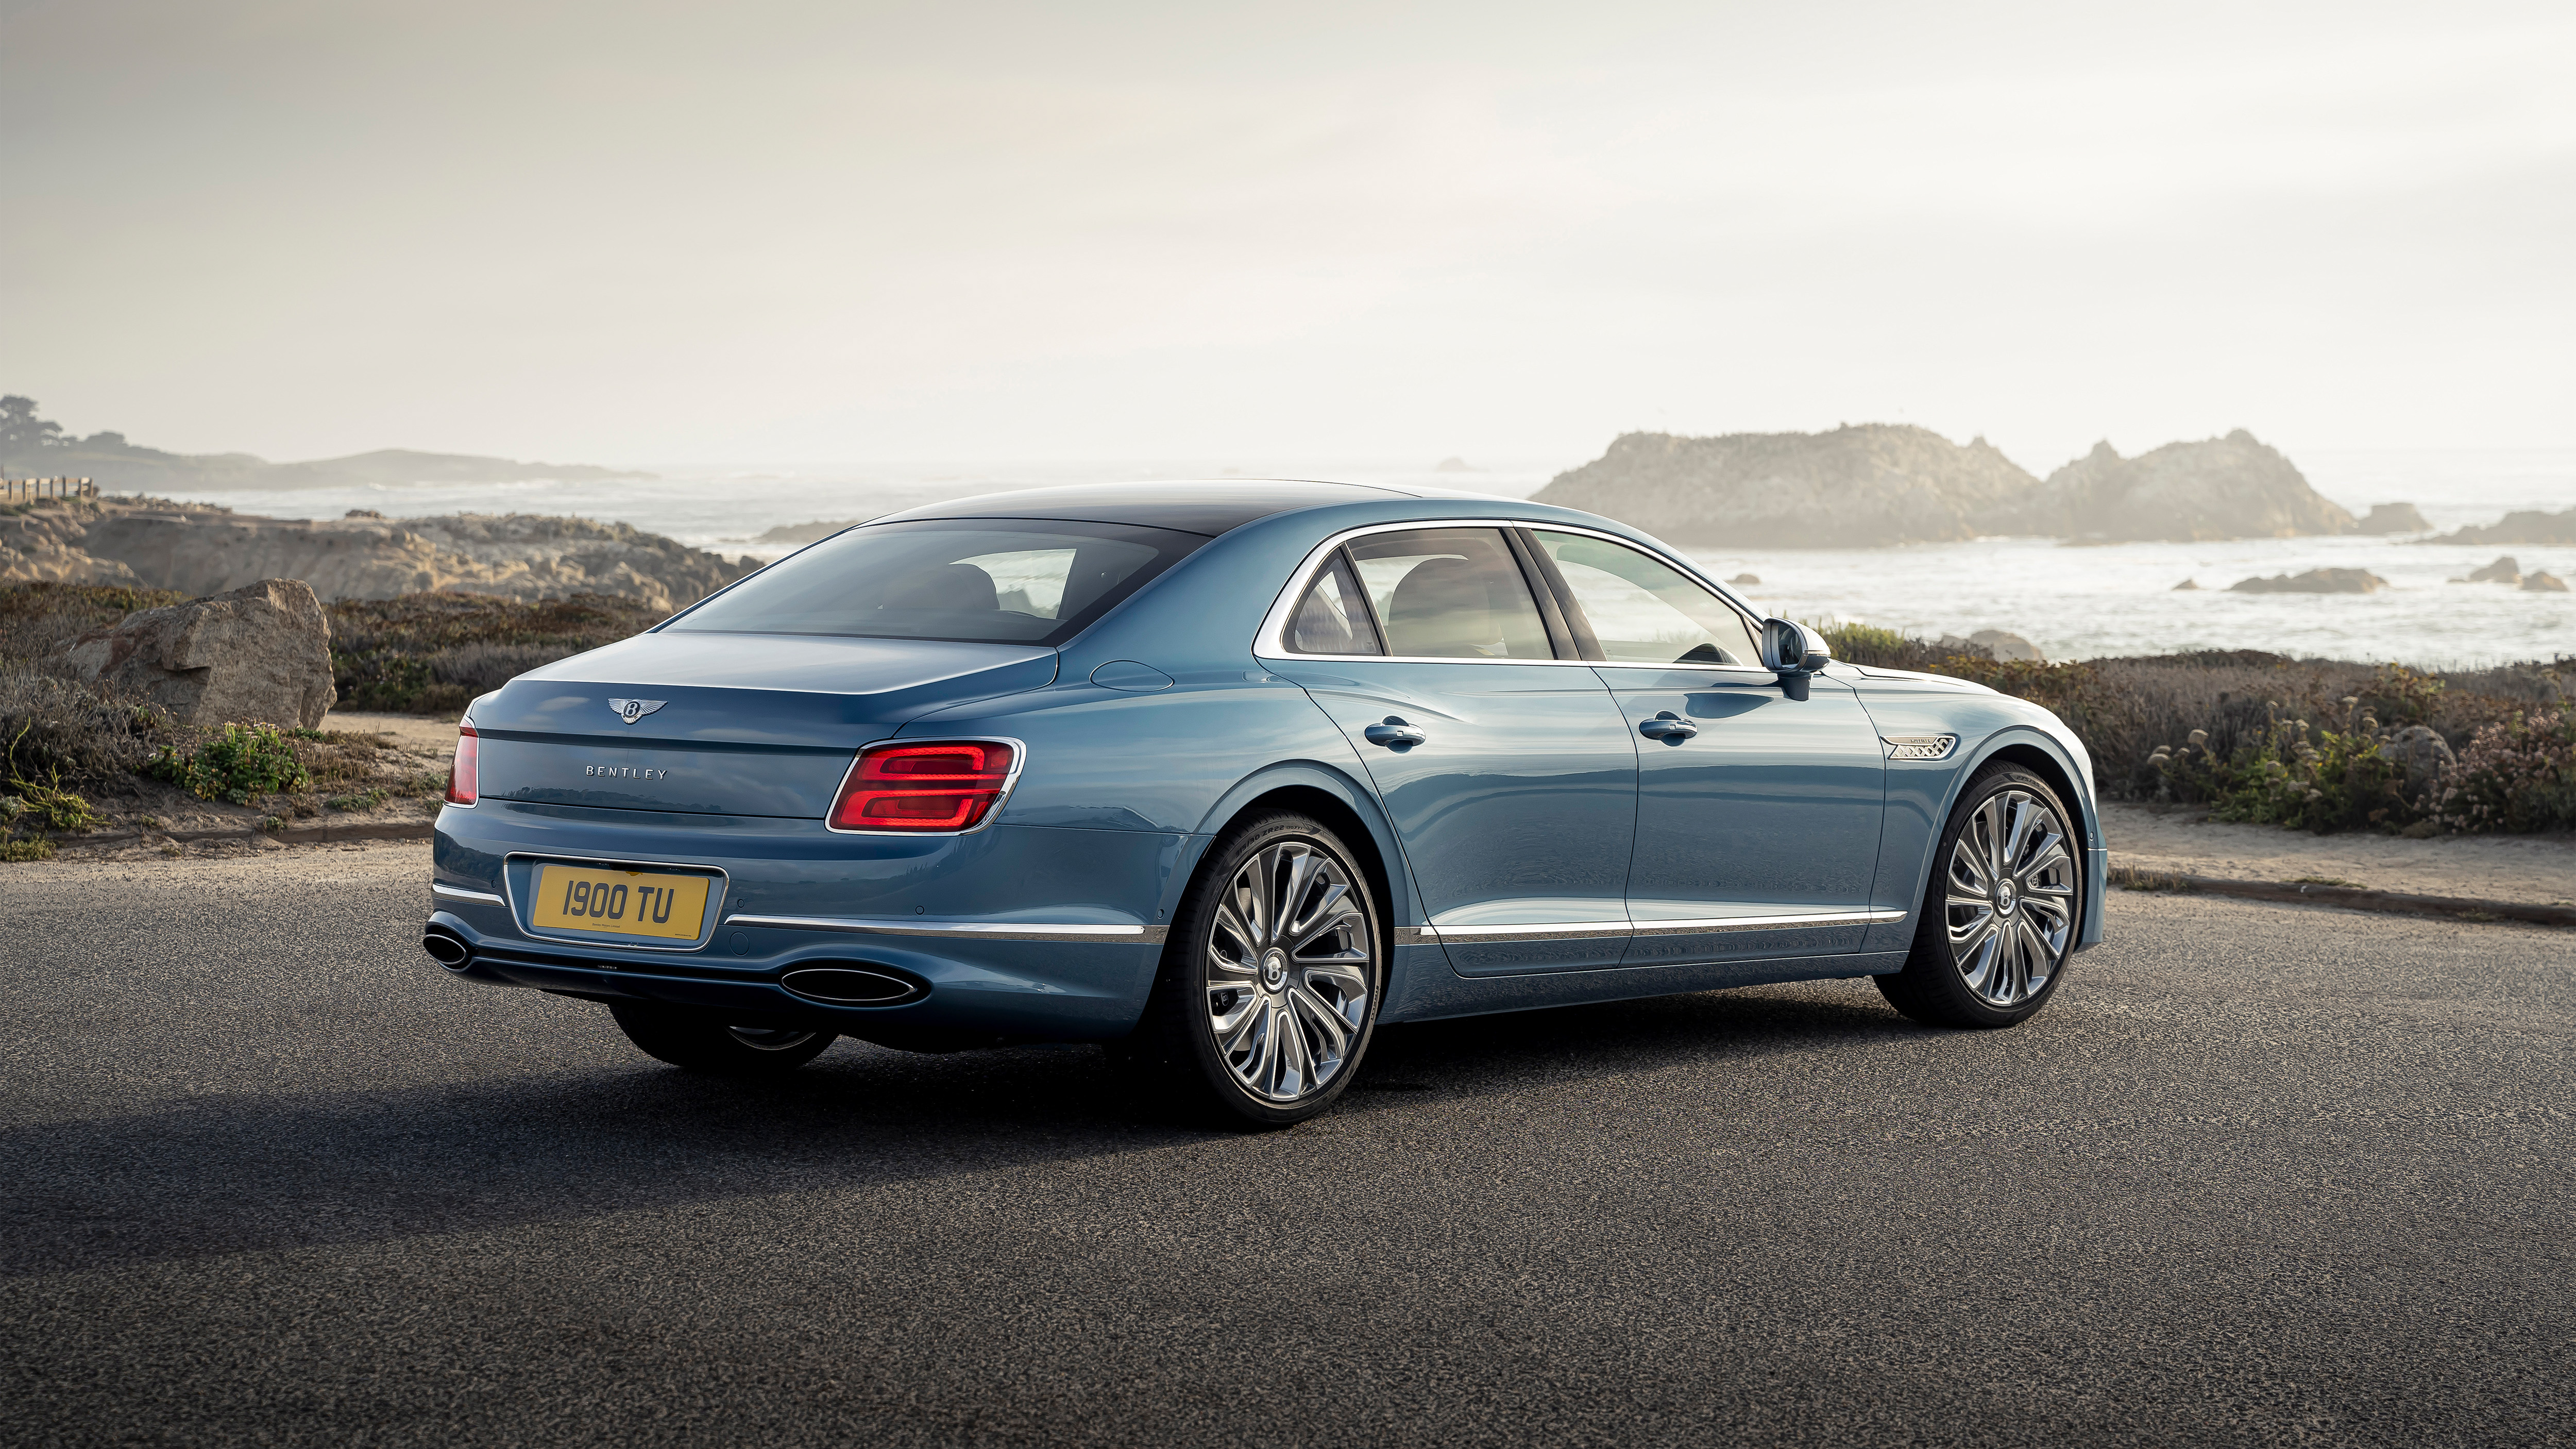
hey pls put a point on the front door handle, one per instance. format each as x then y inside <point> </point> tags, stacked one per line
<point>1668,727</point>
<point>1395,734</point>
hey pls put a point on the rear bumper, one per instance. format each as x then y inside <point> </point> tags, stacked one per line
<point>1059,940</point>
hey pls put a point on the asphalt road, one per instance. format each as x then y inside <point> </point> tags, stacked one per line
<point>2262,1174</point>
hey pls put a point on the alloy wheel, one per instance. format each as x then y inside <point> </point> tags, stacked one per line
<point>1290,963</point>
<point>2010,907</point>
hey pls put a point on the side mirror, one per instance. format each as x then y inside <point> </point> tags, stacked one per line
<point>1794,652</point>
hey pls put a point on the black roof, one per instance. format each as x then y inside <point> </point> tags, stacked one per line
<point>1208,507</point>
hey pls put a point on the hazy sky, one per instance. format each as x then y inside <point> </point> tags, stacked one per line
<point>773,232</point>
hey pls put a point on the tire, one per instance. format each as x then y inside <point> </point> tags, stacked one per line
<point>1271,979</point>
<point>1991,945</point>
<point>701,1044</point>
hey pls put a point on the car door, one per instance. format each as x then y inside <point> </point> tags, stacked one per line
<point>1503,761</point>
<point>1758,815</point>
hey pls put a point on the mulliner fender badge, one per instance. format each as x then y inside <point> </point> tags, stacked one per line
<point>631,710</point>
<point>1920,747</point>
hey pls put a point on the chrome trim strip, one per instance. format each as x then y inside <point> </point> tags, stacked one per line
<point>962,930</point>
<point>1596,930</point>
<point>459,893</point>
<point>1813,921</point>
<point>1272,641</point>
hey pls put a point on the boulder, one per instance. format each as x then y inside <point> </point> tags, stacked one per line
<point>2506,570</point>
<point>1874,483</point>
<point>2230,487</point>
<point>1745,581</point>
<point>256,655</point>
<point>2314,581</point>
<point>2425,756</point>
<point>2529,527</point>
<point>2394,518</point>
<point>2003,645</point>
<point>2542,583</point>
<point>2186,586</point>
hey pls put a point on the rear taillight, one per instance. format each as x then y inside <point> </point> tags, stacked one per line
<point>951,785</point>
<point>460,776</point>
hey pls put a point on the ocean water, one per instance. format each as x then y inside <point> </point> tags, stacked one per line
<point>2073,602</point>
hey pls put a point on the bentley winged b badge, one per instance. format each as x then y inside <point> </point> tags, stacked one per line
<point>631,710</point>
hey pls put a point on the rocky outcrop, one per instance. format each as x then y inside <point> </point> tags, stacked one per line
<point>2529,527</point>
<point>2543,583</point>
<point>202,550</point>
<point>2394,518</point>
<point>1870,484</point>
<point>2314,581</point>
<point>803,533</point>
<point>2506,570</point>
<point>2230,487</point>
<point>255,655</point>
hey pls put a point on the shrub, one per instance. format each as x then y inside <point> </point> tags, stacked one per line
<point>242,762</point>
<point>2518,774</point>
<point>433,653</point>
<point>36,617</point>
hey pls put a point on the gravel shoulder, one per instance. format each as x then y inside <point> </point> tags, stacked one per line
<point>2539,870</point>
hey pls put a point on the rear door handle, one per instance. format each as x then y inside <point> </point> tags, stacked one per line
<point>1668,726</point>
<point>1395,734</point>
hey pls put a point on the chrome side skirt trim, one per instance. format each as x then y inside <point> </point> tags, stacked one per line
<point>459,893</point>
<point>962,930</point>
<point>1597,930</point>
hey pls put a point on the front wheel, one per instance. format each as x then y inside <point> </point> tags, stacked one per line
<point>1270,984</point>
<point>1999,917</point>
<point>689,1039</point>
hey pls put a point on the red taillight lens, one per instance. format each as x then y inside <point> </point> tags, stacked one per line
<point>924,787</point>
<point>460,776</point>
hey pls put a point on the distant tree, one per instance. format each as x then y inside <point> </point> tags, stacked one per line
<point>22,431</point>
<point>105,442</point>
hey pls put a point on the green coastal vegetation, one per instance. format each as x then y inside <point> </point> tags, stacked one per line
<point>2309,744</point>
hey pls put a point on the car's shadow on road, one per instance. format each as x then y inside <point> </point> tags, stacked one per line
<point>267,1172</point>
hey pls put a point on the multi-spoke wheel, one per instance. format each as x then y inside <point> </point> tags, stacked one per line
<point>2000,915</point>
<point>1270,984</point>
<point>689,1039</point>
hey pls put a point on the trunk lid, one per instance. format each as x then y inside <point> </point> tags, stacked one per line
<point>725,724</point>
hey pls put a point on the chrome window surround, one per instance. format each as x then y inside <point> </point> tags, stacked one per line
<point>1019,761</point>
<point>1272,640</point>
<point>706,932</point>
<point>963,930</point>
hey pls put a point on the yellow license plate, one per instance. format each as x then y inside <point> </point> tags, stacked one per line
<point>621,902</point>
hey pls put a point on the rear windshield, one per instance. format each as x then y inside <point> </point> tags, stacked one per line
<point>980,580</point>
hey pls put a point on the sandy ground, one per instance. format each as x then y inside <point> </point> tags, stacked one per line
<point>415,733</point>
<point>2540,870</point>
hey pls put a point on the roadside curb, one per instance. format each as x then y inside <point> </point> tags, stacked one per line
<point>291,835</point>
<point>2351,898</point>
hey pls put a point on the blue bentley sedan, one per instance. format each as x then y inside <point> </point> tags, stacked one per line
<point>1224,776</point>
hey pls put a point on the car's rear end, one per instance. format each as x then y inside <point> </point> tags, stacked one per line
<point>735,815</point>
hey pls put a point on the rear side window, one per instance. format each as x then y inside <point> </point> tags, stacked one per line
<point>979,580</point>
<point>1333,618</point>
<point>1450,593</point>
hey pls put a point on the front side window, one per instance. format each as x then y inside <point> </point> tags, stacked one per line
<point>1643,610</point>
<point>1450,593</point>
<point>981,580</point>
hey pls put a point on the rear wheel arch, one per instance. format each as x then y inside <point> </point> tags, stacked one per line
<point>1332,800</point>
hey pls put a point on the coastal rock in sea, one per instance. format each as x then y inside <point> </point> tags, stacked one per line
<point>2005,645</point>
<point>1455,465</point>
<point>2529,527</point>
<point>2230,487</point>
<point>2186,586</point>
<point>1876,483</point>
<point>2394,518</point>
<point>2542,583</point>
<point>2424,754</point>
<point>2506,570</point>
<point>254,655</point>
<point>814,532</point>
<point>2314,581</point>
<point>205,550</point>
<point>1746,581</point>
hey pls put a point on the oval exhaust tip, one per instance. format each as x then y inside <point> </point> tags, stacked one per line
<point>849,986</point>
<point>445,949</point>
